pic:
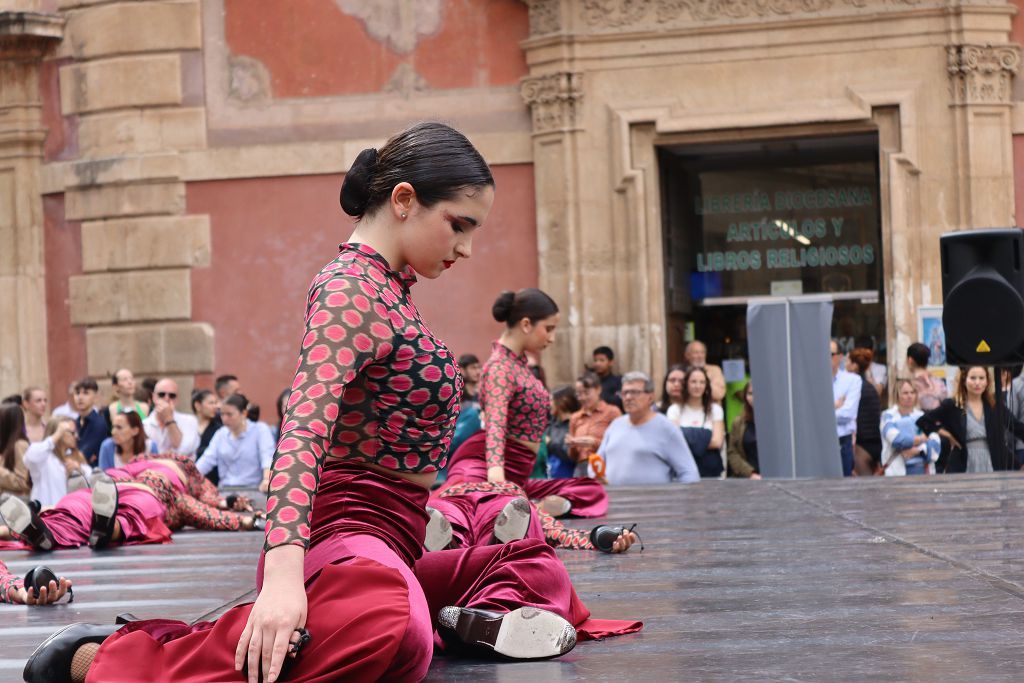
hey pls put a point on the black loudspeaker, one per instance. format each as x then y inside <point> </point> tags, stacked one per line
<point>983,296</point>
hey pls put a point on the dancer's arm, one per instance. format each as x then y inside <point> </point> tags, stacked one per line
<point>495,391</point>
<point>347,329</point>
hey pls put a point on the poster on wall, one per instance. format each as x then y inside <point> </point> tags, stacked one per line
<point>931,334</point>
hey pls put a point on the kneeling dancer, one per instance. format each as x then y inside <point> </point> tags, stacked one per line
<point>368,422</point>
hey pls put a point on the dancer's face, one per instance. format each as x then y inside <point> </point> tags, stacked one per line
<point>435,238</point>
<point>539,335</point>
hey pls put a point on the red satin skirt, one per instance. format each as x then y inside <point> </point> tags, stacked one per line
<point>372,600</point>
<point>469,463</point>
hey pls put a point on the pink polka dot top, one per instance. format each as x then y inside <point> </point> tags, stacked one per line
<point>514,403</point>
<point>373,385</point>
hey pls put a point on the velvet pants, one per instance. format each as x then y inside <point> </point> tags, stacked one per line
<point>139,514</point>
<point>472,516</point>
<point>372,601</point>
<point>468,463</point>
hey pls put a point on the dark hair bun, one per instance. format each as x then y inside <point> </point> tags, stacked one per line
<point>502,308</point>
<point>355,190</point>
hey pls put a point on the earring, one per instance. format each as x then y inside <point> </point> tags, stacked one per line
<point>404,216</point>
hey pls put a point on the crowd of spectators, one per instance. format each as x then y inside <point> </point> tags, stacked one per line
<point>606,425</point>
<point>46,456</point>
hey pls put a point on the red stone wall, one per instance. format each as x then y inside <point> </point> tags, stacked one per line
<point>271,236</point>
<point>313,49</point>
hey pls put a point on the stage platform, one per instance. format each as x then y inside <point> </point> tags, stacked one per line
<point>914,579</point>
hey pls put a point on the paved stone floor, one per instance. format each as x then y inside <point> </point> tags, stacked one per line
<point>916,579</point>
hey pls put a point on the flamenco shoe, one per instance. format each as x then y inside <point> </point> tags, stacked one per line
<point>604,536</point>
<point>512,522</point>
<point>40,577</point>
<point>104,510</point>
<point>556,506</point>
<point>51,662</point>
<point>524,633</point>
<point>25,523</point>
<point>439,532</point>
<point>76,482</point>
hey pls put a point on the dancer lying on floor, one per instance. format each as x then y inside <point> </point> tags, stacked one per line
<point>373,405</point>
<point>516,408</point>
<point>138,503</point>
<point>45,587</point>
<point>482,513</point>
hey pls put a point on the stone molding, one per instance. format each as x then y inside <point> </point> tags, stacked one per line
<point>27,36</point>
<point>604,15</point>
<point>555,100</point>
<point>545,16</point>
<point>982,74</point>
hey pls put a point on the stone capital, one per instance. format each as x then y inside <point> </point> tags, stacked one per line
<point>28,36</point>
<point>982,74</point>
<point>554,100</point>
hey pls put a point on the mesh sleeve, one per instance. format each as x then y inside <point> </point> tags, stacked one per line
<point>347,328</point>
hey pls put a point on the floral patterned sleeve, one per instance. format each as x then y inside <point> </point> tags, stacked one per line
<point>8,581</point>
<point>561,536</point>
<point>347,329</point>
<point>495,393</point>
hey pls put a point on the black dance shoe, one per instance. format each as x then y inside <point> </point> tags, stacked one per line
<point>51,662</point>
<point>604,536</point>
<point>25,522</point>
<point>104,511</point>
<point>40,577</point>
<point>512,522</point>
<point>439,532</point>
<point>525,633</point>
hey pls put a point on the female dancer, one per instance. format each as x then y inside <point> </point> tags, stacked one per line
<point>373,405</point>
<point>516,412</point>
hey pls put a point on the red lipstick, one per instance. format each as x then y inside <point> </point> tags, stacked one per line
<point>448,264</point>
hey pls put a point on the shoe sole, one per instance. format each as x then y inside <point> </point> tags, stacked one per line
<point>104,508</point>
<point>556,506</point>
<point>439,531</point>
<point>18,516</point>
<point>513,521</point>
<point>525,633</point>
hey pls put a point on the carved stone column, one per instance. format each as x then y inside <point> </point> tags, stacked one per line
<point>981,79</point>
<point>554,100</point>
<point>25,37</point>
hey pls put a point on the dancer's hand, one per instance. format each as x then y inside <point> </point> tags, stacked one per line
<point>47,594</point>
<point>278,611</point>
<point>622,543</point>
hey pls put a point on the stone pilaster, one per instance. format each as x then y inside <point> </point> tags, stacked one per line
<point>981,80</point>
<point>554,100</point>
<point>25,38</point>
<point>125,83</point>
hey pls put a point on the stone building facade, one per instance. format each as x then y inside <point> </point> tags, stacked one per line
<point>169,168</point>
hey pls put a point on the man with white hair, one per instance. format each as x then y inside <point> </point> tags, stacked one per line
<point>696,355</point>
<point>171,431</point>
<point>643,446</point>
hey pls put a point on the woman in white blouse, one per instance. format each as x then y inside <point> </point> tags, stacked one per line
<point>702,422</point>
<point>53,460</point>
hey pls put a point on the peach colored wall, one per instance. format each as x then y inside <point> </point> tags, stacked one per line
<point>311,48</point>
<point>271,236</point>
<point>65,344</point>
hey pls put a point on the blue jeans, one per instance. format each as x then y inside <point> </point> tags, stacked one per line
<point>915,465</point>
<point>846,454</point>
